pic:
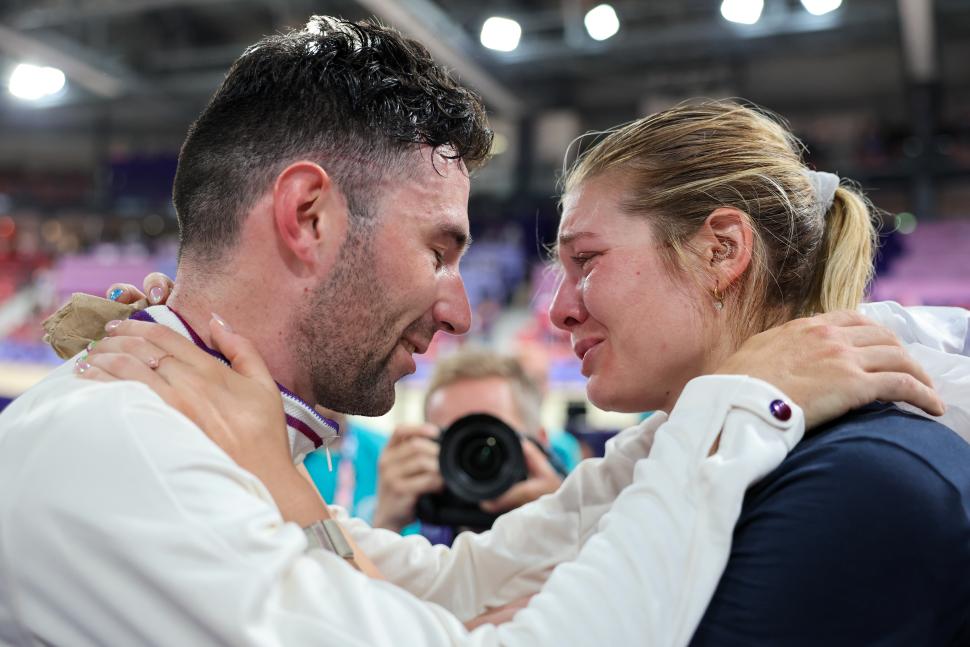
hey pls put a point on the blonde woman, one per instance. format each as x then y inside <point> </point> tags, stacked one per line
<point>690,241</point>
<point>685,233</point>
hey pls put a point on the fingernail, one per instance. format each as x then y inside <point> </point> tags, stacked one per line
<point>111,325</point>
<point>222,322</point>
<point>81,367</point>
<point>155,295</point>
<point>114,294</point>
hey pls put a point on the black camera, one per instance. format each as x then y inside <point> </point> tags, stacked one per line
<point>481,457</point>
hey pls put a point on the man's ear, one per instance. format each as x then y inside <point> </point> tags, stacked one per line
<point>725,242</point>
<point>310,214</point>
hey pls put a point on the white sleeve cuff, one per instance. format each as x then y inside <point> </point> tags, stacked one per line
<point>711,402</point>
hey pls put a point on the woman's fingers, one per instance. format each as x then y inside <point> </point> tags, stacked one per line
<point>157,286</point>
<point>144,350</point>
<point>124,293</point>
<point>164,339</point>
<point>240,352</point>
<point>122,366</point>
<point>87,371</point>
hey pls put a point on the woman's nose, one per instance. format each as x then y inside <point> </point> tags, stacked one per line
<point>567,310</point>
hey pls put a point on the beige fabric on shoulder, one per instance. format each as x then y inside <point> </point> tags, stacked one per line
<point>81,321</point>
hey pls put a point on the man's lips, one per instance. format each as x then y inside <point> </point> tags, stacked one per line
<point>415,347</point>
<point>582,346</point>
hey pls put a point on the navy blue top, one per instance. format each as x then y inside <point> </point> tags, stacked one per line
<point>860,537</point>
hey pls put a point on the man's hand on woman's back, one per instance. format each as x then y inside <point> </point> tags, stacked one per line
<point>833,363</point>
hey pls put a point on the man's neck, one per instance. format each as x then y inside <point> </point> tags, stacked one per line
<point>263,323</point>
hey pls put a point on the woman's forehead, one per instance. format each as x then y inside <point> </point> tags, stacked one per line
<point>590,207</point>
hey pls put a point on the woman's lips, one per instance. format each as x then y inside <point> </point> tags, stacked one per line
<point>583,346</point>
<point>589,355</point>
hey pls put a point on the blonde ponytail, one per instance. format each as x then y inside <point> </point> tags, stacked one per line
<point>846,260</point>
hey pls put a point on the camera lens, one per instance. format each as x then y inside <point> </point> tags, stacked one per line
<point>481,458</point>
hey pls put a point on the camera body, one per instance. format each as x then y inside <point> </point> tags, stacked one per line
<point>481,457</point>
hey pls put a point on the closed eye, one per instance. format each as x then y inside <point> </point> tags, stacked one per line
<point>582,260</point>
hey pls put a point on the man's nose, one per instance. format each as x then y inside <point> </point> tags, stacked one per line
<point>452,312</point>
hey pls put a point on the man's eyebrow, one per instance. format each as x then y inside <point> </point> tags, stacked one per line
<point>461,238</point>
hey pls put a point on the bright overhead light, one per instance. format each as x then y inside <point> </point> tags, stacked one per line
<point>746,12</point>
<point>501,34</point>
<point>821,7</point>
<point>32,82</point>
<point>601,22</point>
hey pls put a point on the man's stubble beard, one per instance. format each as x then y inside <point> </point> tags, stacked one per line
<point>340,336</point>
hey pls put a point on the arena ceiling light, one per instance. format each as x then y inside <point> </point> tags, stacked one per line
<point>745,12</point>
<point>601,22</point>
<point>33,82</point>
<point>821,7</point>
<point>501,34</point>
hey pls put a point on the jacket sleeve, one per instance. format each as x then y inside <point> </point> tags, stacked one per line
<point>166,541</point>
<point>517,556</point>
<point>939,339</point>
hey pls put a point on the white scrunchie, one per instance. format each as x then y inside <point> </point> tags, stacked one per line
<point>824,184</point>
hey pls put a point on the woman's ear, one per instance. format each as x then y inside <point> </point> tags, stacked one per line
<point>725,242</point>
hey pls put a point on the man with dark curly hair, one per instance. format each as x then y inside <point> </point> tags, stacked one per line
<point>322,196</point>
<point>365,144</point>
<point>322,201</point>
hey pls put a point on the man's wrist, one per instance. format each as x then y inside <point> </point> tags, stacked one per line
<point>327,535</point>
<point>297,499</point>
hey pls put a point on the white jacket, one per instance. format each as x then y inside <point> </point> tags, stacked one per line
<point>122,524</point>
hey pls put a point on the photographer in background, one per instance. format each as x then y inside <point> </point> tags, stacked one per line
<point>470,381</point>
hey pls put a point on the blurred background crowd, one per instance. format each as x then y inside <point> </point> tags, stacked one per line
<point>98,95</point>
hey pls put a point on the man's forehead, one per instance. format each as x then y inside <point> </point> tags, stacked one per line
<point>432,198</point>
<point>441,161</point>
<point>430,169</point>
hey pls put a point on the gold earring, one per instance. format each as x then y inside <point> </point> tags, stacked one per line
<point>718,298</point>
